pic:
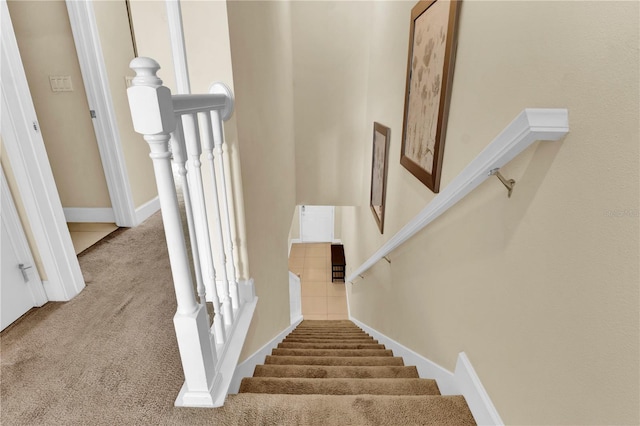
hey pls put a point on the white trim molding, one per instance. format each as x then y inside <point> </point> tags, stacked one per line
<point>178,49</point>
<point>89,214</point>
<point>245,369</point>
<point>146,210</point>
<point>463,382</point>
<point>532,124</point>
<point>477,397</point>
<point>28,158</point>
<point>94,74</point>
<point>295,299</point>
<point>18,240</point>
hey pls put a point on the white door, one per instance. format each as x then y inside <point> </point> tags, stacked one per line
<point>21,287</point>
<point>316,224</point>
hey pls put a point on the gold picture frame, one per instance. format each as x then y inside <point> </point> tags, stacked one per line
<point>432,49</point>
<point>379,166</point>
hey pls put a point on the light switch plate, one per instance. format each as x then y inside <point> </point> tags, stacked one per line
<point>60,83</point>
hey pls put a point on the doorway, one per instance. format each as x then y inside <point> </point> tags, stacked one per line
<point>316,224</point>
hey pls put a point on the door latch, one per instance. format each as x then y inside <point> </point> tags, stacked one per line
<point>23,268</point>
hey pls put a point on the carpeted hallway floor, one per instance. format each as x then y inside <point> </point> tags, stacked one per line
<point>109,356</point>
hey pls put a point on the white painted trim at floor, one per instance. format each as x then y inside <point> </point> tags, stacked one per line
<point>89,214</point>
<point>147,209</point>
<point>28,158</point>
<point>477,398</point>
<point>463,382</point>
<point>245,369</point>
<point>94,75</point>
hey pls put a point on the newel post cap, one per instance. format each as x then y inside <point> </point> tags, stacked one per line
<point>146,69</point>
<point>150,102</point>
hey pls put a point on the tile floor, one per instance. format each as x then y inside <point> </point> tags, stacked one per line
<point>321,299</point>
<point>84,235</point>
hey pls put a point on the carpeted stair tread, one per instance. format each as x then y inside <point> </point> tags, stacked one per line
<point>361,410</point>
<point>328,336</point>
<point>331,371</point>
<point>334,360</point>
<point>322,335</point>
<point>339,386</point>
<point>316,340</point>
<point>339,345</point>
<point>332,352</point>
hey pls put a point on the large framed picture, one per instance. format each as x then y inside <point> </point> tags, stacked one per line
<point>379,162</point>
<point>432,49</point>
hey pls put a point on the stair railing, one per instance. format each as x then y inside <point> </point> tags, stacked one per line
<point>532,124</point>
<point>209,350</point>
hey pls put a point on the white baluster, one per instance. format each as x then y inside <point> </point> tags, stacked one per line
<point>152,113</point>
<point>179,160</point>
<point>227,202</point>
<point>207,146</point>
<point>192,139</point>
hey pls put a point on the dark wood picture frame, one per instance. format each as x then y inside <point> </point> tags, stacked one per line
<point>432,49</point>
<point>379,167</point>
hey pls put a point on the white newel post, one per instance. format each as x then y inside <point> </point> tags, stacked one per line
<point>153,116</point>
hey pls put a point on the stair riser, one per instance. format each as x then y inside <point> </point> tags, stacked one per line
<point>332,352</point>
<point>334,361</point>
<point>298,340</point>
<point>321,372</point>
<point>294,345</point>
<point>305,386</point>
<point>426,410</point>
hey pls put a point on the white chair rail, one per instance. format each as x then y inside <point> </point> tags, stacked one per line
<point>531,125</point>
<point>193,124</point>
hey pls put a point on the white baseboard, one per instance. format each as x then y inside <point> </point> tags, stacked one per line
<point>426,368</point>
<point>147,209</point>
<point>245,369</point>
<point>463,382</point>
<point>477,398</point>
<point>89,214</point>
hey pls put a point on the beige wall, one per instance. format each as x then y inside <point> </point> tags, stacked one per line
<point>330,62</point>
<point>540,290</point>
<point>117,50</point>
<point>262,72</point>
<point>152,36</point>
<point>47,48</point>
<point>22,212</point>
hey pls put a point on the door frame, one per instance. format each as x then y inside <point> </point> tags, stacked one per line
<point>94,75</point>
<point>28,158</point>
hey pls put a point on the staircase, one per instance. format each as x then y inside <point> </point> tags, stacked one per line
<point>332,372</point>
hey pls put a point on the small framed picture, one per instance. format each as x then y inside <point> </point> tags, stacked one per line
<point>379,163</point>
<point>432,49</point>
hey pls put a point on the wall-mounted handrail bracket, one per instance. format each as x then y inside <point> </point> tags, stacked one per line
<point>509,184</point>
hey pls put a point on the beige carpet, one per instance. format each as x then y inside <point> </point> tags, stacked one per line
<point>308,382</point>
<point>110,357</point>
